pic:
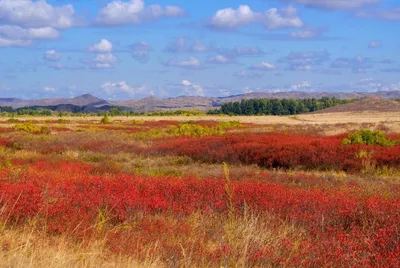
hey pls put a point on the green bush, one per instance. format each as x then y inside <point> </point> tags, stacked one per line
<point>368,137</point>
<point>105,120</point>
<point>138,122</point>
<point>62,121</point>
<point>32,128</point>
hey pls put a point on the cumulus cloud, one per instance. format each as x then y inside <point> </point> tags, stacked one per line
<point>264,66</point>
<point>335,4</point>
<point>273,18</point>
<point>190,89</point>
<point>374,44</point>
<point>358,64</point>
<point>302,86</point>
<point>140,51</point>
<point>51,55</point>
<point>37,14</point>
<point>113,88</point>
<point>190,63</point>
<point>183,44</point>
<point>305,61</point>
<point>12,35</point>
<point>104,46</point>
<point>102,61</point>
<point>391,14</point>
<point>374,85</point>
<point>134,12</point>
<point>198,46</point>
<point>220,59</point>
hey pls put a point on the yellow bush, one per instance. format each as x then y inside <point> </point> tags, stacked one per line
<point>32,128</point>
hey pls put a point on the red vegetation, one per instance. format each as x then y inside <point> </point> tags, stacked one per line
<point>279,150</point>
<point>344,225</point>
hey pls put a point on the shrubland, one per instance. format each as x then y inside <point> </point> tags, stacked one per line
<point>197,194</point>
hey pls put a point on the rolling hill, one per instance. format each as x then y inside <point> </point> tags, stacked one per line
<point>368,104</point>
<point>88,102</point>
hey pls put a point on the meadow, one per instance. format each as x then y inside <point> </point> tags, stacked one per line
<point>200,191</point>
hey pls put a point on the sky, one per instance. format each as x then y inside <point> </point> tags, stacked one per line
<point>130,49</point>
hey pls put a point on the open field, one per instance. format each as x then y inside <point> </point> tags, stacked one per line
<point>333,121</point>
<point>210,191</point>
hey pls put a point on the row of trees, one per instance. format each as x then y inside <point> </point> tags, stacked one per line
<point>114,111</point>
<point>278,106</point>
<point>5,110</point>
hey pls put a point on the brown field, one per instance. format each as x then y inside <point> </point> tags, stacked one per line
<point>338,122</point>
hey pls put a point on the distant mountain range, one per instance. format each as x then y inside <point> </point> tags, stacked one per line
<point>90,103</point>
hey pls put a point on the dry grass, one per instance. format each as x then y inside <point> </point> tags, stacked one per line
<point>388,120</point>
<point>22,248</point>
<point>25,248</point>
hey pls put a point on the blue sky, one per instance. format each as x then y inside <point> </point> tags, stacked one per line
<point>135,48</point>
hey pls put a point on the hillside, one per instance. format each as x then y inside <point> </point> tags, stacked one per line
<point>206,103</point>
<point>153,103</point>
<point>368,104</point>
<point>84,100</point>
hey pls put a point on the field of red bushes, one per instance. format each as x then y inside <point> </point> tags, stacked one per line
<point>302,200</point>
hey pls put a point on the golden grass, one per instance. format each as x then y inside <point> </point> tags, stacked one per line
<point>25,248</point>
<point>390,121</point>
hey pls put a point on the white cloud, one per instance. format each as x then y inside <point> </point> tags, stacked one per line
<point>305,61</point>
<point>247,90</point>
<point>102,61</point>
<point>49,89</point>
<point>112,88</point>
<point>14,43</point>
<point>140,51</point>
<point>135,11</point>
<point>11,35</point>
<point>16,32</point>
<point>273,18</point>
<point>375,44</point>
<point>190,63</point>
<point>199,47</point>
<point>183,44</point>
<point>103,46</point>
<point>220,59</point>
<point>190,89</point>
<point>264,66</point>
<point>302,86</point>
<point>51,55</point>
<point>358,64</point>
<point>36,14</point>
<point>335,4</point>
<point>374,85</point>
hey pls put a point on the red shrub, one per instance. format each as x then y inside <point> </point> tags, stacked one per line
<point>277,150</point>
<point>344,226</point>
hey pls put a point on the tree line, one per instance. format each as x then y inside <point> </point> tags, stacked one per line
<point>278,106</point>
<point>80,111</point>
